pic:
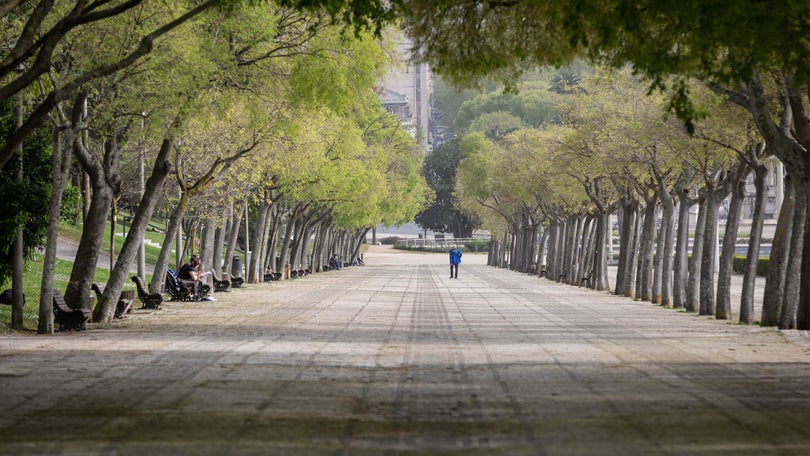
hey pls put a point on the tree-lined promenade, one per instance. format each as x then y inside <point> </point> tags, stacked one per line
<point>393,357</point>
<point>234,124</point>
<point>256,124</point>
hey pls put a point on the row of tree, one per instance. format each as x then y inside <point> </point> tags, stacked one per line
<point>747,51</point>
<point>226,117</point>
<point>615,152</point>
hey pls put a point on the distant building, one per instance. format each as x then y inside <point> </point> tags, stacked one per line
<point>405,91</point>
<point>773,183</point>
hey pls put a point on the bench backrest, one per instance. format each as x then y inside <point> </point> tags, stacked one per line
<point>59,302</point>
<point>140,286</point>
<point>172,279</point>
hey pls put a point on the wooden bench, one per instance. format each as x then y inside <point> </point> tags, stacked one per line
<point>586,278</point>
<point>220,285</point>
<point>124,304</point>
<point>67,318</point>
<point>148,300</point>
<point>272,277</point>
<point>178,290</point>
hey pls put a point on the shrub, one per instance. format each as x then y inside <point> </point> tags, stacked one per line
<point>477,245</point>
<point>739,265</point>
<point>391,240</point>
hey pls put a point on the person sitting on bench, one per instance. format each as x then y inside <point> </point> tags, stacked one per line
<point>190,273</point>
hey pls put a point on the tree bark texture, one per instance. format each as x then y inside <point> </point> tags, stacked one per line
<point>106,184</point>
<point>647,249</point>
<point>777,265</point>
<point>793,276</point>
<point>626,242</point>
<point>723,307</point>
<point>172,230</point>
<point>681,265</point>
<point>695,263</point>
<point>61,169</point>
<point>105,310</point>
<point>708,256</point>
<point>754,244</point>
<point>668,227</point>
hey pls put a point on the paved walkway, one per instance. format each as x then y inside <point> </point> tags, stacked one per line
<point>394,357</point>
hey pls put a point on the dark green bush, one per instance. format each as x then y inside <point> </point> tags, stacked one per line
<point>739,265</point>
<point>478,245</point>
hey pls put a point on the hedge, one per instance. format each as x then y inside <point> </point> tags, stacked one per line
<point>739,265</point>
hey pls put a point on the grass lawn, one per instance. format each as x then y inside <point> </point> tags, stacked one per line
<point>32,279</point>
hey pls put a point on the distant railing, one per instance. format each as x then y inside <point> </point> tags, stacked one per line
<point>439,242</point>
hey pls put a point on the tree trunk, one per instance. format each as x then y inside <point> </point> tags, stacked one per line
<point>541,250</point>
<point>695,264</point>
<point>681,266</point>
<point>793,276</point>
<point>668,228</point>
<point>723,310</point>
<point>105,310</point>
<point>272,242</point>
<point>233,235</point>
<point>296,244</point>
<point>626,241</point>
<point>599,277</point>
<point>559,249</point>
<point>658,264</point>
<point>632,263</point>
<point>254,274</point>
<point>647,249</point>
<point>219,242</point>
<point>208,240</point>
<point>502,261</point>
<point>777,264</point>
<point>551,248</point>
<point>285,243</point>
<point>61,168</point>
<point>754,244</point>
<point>803,312</point>
<point>18,248</point>
<point>579,248</point>
<point>81,277</point>
<point>172,230</point>
<point>262,243</point>
<point>709,254</point>
<point>568,250</point>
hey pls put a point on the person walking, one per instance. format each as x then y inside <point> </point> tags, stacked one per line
<point>455,260</point>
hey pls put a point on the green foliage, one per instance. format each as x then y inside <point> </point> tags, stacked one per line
<point>531,107</point>
<point>496,123</point>
<point>738,265</point>
<point>443,215</point>
<point>69,211</point>
<point>476,245</point>
<point>23,203</point>
<point>721,41</point>
<point>32,279</point>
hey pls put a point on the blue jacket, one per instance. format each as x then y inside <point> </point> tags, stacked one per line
<point>455,256</point>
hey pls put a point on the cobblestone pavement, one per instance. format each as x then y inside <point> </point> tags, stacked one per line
<point>394,357</point>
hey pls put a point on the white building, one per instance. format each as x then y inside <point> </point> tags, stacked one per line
<point>405,91</point>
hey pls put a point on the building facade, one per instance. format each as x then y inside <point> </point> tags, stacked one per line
<point>405,91</point>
